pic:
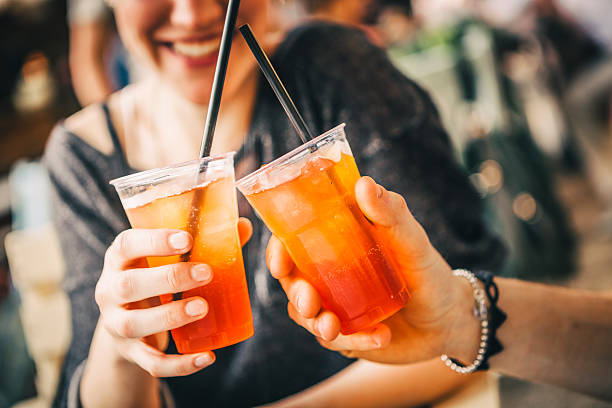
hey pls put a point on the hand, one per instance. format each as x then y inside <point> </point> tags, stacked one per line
<point>127,295</point>
<point>436,320</point>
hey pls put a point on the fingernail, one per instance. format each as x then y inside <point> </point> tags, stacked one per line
<point>300,304</point>
<point>179,240</point>
<point>379,191</point>
<point>375,339</point>
<point>195,308</point>
<point>320,332</point>
<point>201,272</point>
<point>203,360</point>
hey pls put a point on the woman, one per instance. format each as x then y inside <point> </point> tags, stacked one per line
<point>335,76</point>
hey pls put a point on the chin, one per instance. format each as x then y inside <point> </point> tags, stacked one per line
<point>196,93</point>
<point>198,98</point>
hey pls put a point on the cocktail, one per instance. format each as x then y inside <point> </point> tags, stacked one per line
<point>198,197</point>
<point>307,199</point>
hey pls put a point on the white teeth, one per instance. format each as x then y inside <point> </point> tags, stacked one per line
<point>196,49</point>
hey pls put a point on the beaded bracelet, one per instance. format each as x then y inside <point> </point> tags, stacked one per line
<point>490,321</point>
<point>481,313</point>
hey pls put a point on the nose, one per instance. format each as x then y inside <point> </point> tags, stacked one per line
<point>197,14</point>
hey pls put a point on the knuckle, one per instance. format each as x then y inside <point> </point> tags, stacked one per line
<point>109,254</point>
<point>155,369</point>
<point>99,294</point>
<point>124,285</point>
<point>105,323</point>
<point>172,317</point>
<point>125,327</point>
<point>155,243</point>
<point>399,200</point>
<point>117,248</point>
<point>185,368</point>
<point>174,276</point>
<point>122,242</point>
<point>114,249</point>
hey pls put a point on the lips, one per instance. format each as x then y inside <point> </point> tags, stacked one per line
<point>194,53</point>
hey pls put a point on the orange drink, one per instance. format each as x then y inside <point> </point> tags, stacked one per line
<point>307,199</point>
<point>198,197</point>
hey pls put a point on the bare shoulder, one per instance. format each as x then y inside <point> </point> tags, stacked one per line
<point>90,125</point>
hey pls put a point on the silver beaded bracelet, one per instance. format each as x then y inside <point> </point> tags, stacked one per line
<point>481,313</point>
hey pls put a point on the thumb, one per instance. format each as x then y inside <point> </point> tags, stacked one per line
<point>388,210</point>
<point>382,207</point>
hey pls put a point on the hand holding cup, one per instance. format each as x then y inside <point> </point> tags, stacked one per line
<point>436,320</point>
<point>127,294</point>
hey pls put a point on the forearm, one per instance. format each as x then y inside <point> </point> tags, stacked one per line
<point>556,336</point>
<point>111,381</point>
<point>366,384</point>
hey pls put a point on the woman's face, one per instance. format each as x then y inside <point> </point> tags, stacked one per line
<point>180,40</point>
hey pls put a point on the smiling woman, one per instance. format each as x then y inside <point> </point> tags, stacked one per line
<point>180,40</point>
<point>120,345</point>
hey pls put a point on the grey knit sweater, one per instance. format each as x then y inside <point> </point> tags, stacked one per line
<point>335,75</point>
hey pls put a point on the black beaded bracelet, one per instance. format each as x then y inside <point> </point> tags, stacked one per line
<point>491,319</point>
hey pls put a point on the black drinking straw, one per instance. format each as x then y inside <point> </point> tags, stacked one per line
<point>211,119</point>
<point>219,80</point>
<point>279,89</point>
<point>296,118</point>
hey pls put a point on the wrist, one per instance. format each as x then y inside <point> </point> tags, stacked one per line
<point>108,369</point>
<point>111,350</point>
<point>463,338</point>
<point>490,318</point>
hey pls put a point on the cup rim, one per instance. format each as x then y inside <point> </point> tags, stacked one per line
<point>161,173</point>
<point>285,157</point>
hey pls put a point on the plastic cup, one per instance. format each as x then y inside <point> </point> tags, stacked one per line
<point>307,199</point>
<point>198,197</point>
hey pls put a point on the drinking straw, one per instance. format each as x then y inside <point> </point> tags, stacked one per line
<point>211,117</point>
<point>279,89</point>
<point>295,117</point>
<point>219,79</point>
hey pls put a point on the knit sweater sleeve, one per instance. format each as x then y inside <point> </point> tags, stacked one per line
<point>87,218</point>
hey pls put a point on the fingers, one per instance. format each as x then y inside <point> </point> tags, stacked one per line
<point>137,284</point>
<point>159,364</point>
<point>326,326</point>
<point>133,244</point>
<point>404,233</point>
<point>138,323</point>
<point>300,293</point>
<point>382,207</point>
<point>245,230</point>
<point>279,262</point>
<point>372,339</point>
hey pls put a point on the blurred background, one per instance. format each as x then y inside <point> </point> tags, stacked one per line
<point>524,88</point>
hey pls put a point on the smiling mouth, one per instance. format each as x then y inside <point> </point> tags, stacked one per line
<point>195,49</point>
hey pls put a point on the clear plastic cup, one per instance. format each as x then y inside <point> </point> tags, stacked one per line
<point>307,199</point>
<point>198,197</point>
